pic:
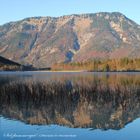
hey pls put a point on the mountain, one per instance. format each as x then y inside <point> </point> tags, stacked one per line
<point>9,65</point>
<point>6,64</point>
<point>43,41</point>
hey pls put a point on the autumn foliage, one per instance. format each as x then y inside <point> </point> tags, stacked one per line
<point>124,64</point>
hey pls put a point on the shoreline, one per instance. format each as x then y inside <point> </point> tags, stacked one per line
<point>72,71</point>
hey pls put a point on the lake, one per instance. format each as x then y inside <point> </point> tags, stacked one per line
<point>69,105</point>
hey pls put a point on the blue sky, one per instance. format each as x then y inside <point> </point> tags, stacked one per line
<point>13,10</point>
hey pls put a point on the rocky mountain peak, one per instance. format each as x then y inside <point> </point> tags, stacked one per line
<point>43,41</point>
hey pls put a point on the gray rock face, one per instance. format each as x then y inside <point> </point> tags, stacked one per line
<point>43,41</point>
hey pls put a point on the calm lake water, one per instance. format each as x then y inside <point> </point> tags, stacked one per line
<point>67,106</point>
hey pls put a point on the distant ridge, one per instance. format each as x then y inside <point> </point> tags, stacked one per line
<point>5,61</point>
<point>6,64</point>
<point>44,41</point>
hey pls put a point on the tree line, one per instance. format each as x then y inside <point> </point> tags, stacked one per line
<point>124,64</point>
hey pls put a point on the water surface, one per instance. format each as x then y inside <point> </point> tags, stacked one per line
<point>45,105</point>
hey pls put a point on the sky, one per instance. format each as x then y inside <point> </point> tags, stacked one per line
<point>14,10</point>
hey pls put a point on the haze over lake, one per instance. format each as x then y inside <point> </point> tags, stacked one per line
<point>69,105</point>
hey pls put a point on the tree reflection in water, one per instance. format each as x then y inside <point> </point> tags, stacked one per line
<point>90,101</point>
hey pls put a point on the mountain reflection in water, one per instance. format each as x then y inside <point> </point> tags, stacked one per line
<point>89,100</point>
